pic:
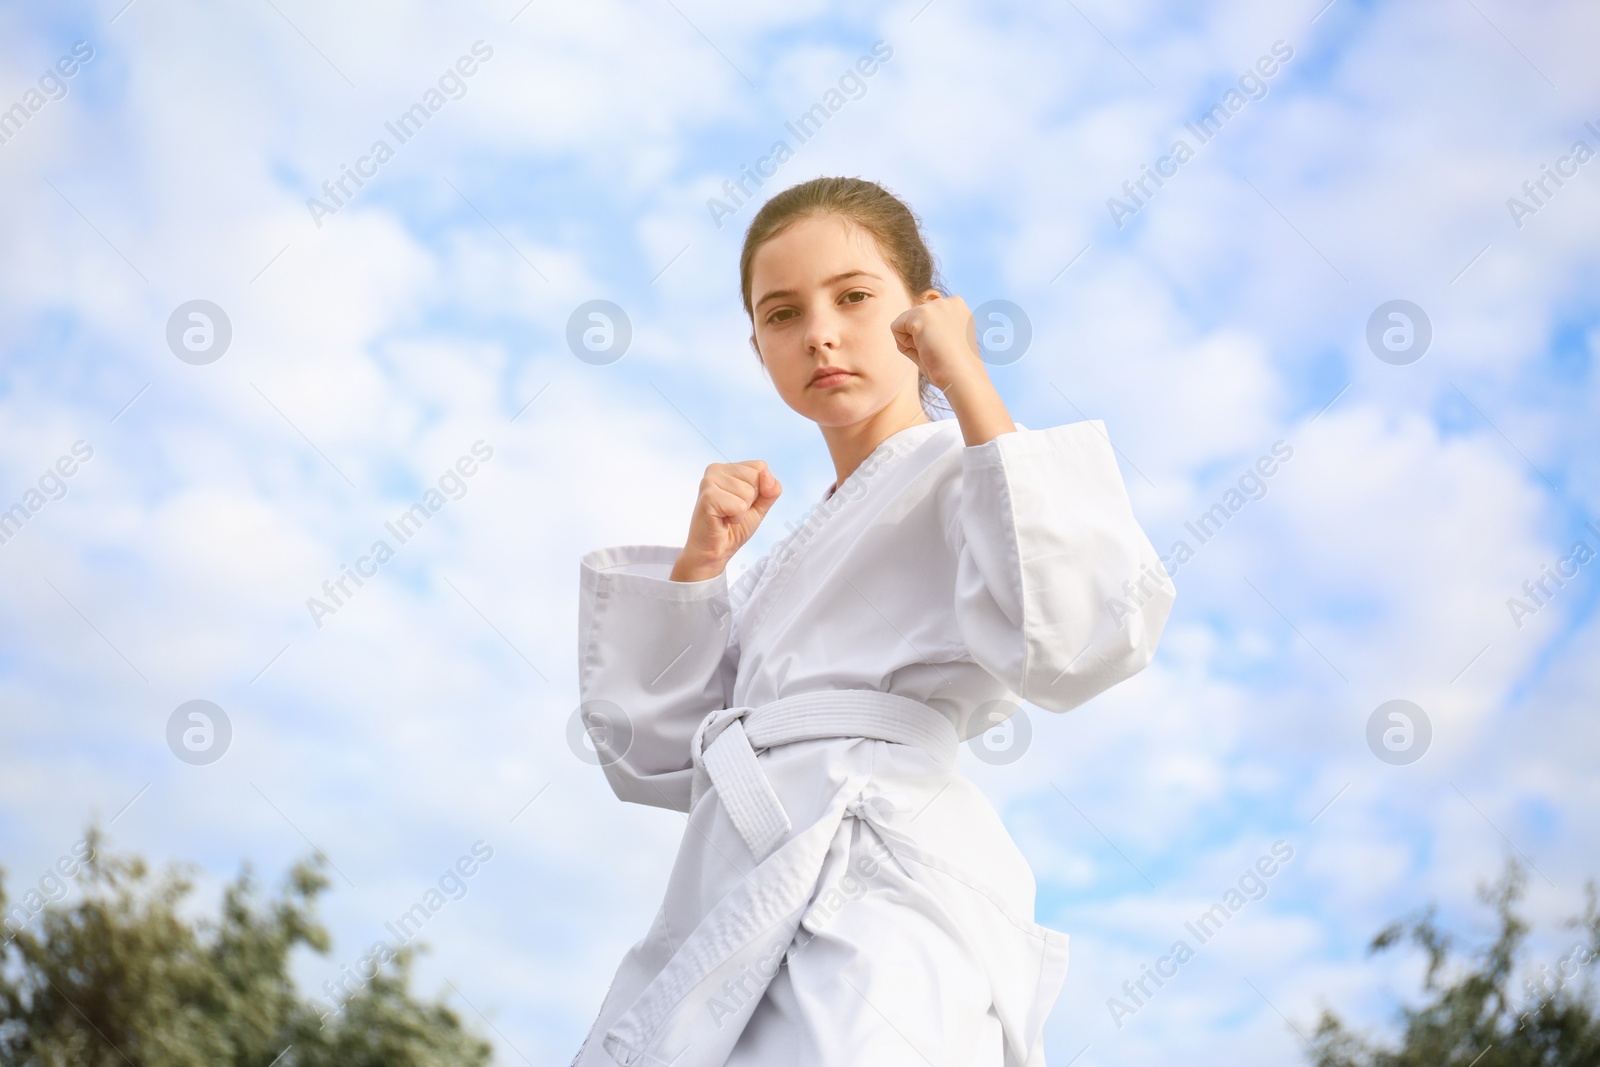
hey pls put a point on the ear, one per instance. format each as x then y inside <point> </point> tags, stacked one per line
<point>929,294</point>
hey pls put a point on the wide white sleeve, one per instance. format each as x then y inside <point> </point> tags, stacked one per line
<point>1059,593</point>
<point>655,656</point>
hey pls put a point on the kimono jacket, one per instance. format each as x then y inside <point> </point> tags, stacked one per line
<point>841,899</point>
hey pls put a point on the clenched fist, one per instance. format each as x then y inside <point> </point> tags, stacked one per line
<point>941,338</point>
<point>734,498</point>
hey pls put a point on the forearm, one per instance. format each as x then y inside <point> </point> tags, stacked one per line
<point>978,407</point>
<point>688,570</point>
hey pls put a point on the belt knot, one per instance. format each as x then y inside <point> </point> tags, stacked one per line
<point>877,807</point>
<point>723,751</point>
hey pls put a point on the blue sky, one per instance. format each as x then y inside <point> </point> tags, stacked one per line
<point>369,353</point>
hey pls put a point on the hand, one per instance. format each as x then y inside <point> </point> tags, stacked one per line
<point>941,338</point>
<point>734,498</point>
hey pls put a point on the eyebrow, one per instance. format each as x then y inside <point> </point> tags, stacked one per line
<point>826,281</point>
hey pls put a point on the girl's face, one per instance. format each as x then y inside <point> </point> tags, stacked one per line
<point>823,297</point>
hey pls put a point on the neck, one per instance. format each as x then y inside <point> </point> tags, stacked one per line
<point>851,445</point>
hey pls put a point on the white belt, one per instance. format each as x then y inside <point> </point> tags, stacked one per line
<point>725,744</point>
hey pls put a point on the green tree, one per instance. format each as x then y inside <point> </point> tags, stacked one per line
<point>1469,1016</point>
<point>123,979</point>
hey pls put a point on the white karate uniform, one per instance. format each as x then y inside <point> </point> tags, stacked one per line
<point>841,894</point>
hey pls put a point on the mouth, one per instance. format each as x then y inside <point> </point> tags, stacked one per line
<point>828,377</point>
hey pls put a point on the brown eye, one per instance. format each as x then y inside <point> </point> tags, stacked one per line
<point>862,293</point>
<point>772,318</point>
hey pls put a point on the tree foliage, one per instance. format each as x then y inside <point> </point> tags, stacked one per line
<point>1470,1016</point>
<point>123,978</point>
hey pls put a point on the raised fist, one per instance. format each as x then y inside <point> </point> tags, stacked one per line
<point>734,498</point>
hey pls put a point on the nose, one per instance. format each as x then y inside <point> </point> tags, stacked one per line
<point>822,331</point>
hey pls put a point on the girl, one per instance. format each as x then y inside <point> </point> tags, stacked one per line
<point>842,895</point>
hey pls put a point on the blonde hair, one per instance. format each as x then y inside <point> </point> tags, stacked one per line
<point>875,210</point>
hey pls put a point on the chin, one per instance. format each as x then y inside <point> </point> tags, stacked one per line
<point>839,411</point>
